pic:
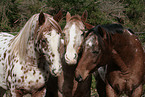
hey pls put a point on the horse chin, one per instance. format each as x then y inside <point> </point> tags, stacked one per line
<point>81,76</point>
<point>71,62</point>
<point>55,72</point>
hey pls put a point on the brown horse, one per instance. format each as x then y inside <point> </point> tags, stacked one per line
<point>121,50</point>
<point>67,85</point>
<point>73,38</point>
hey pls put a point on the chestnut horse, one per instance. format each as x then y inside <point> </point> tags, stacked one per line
<point>73,37</point>
<point>121,50</point>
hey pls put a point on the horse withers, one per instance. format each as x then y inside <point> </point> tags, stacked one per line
<point>121,51</point>
<point>27,59</point>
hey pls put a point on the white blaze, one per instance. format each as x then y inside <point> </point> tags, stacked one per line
<point>70,55</point>
<point>54,44</point>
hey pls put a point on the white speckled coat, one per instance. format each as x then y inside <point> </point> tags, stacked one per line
<point>27,59</point>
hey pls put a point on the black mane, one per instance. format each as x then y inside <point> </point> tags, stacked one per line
<point>110,28</point>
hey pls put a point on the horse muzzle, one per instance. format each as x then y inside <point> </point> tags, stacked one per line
<point>79,78</point>
<point>56,72</point>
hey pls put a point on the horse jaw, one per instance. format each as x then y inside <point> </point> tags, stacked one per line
<point>81,75</point>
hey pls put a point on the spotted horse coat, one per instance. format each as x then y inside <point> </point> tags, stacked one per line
<point>27,59</point>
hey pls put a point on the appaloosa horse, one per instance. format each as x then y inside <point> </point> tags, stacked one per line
<point>26,60</point>
<point>121,51</point>
<point>73,38</point>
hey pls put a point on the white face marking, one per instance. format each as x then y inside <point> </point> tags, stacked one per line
<point>89,42</point>
<point>74,41</point>
<point>136,50</point>
<point>92,44</point>
<point>62,41</point>
<point>72,35</point>
<point>54,41</point>
<point>70,50</point>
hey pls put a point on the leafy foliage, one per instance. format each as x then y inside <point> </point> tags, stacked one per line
<point>131,13</point>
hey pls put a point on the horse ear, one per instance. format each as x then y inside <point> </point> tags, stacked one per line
<point>102,32</point>
<point>58,16</point>
<point>89,26</point>
<point>68,16</point>
<point>84,16</point>
<point>41,18</point>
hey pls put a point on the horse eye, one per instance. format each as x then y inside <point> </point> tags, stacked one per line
<point>43,40</point>
<point>95,52</point>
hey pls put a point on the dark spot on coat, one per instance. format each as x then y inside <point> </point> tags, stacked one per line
<point>4,55</point>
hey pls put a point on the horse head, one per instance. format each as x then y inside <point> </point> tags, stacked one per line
<point>74,30</point>
<point>47,41</point>
<point>93,46</point>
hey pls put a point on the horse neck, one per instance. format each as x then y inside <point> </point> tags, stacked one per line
<point>31,54</point>
<point>110,47</point>
<point>126,51</point>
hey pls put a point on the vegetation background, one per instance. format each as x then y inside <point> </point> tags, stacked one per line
<point>129,13</point>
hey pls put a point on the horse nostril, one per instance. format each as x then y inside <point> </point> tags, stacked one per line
<point>53,72</point>
<point>75,56</point>
<point>79,78</point>
<point>66,57</point>
<point>60,69</point>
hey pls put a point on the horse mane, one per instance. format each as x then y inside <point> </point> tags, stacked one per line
<point>110,29</point>
<point>20,42</point>
<point>54,24</point>
<point>113,28</point>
